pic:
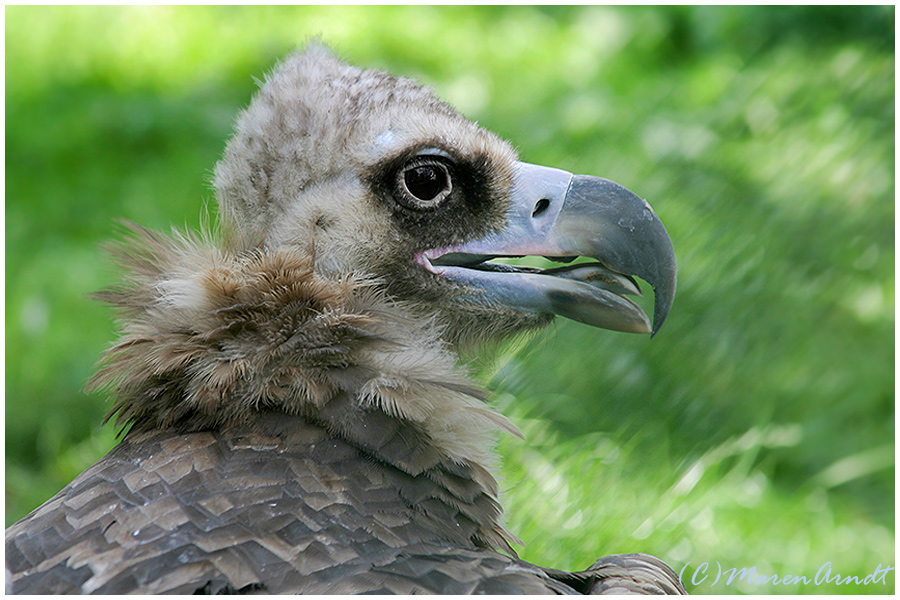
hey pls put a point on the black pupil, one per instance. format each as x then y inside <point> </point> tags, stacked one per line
<point>425,182</point>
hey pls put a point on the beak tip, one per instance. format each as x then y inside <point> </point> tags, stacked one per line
<point>665,297</point>
<point>626,235</point>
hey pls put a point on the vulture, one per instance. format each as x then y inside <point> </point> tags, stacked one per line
<point>295,414</point>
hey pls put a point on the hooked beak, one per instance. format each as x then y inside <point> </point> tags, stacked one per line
<point>562,217</point>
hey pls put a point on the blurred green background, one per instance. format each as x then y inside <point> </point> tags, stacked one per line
<point>756,430</point>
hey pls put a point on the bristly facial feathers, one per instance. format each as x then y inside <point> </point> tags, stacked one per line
<point>314,164</point>
<point>315,129</point>
<point>210,338</point>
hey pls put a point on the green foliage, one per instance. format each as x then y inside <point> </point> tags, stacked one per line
<point>756,430</point>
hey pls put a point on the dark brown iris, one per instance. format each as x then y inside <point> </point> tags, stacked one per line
<point>427,181</point>
<point>424,185</point>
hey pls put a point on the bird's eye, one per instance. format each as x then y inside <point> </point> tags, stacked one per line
<point>424,185</point>
<point>426,182</point>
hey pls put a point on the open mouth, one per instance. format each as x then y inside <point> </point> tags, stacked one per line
<point>585,291</point>
<point>592,273</point>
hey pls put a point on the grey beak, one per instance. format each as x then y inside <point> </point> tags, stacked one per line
<point>603,220</point>
<point>563,216</point>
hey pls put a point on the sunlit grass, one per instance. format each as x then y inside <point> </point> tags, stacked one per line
<point>578,499</point>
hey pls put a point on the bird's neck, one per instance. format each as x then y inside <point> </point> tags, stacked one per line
<point>213,339</point>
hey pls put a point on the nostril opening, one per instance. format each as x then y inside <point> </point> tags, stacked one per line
<point>541,207</point>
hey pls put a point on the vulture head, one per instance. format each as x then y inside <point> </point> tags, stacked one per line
<point>360,216</point>
<point>297,420</point>
<point>369,174</point>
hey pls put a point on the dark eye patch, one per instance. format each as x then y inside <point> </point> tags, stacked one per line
<point>429,212</point>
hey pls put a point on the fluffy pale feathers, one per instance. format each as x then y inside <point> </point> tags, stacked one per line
<point>211,337</point>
